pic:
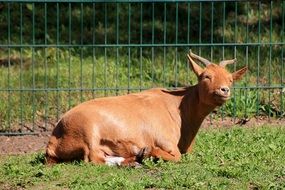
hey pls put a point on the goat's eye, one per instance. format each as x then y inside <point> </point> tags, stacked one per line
<point>207,77</point>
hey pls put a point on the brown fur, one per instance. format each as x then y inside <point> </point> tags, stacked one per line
<point>157,122</point>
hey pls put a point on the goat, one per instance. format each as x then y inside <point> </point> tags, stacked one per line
<point>156,123</point>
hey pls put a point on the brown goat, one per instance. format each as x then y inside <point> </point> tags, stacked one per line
<point>158,122</point>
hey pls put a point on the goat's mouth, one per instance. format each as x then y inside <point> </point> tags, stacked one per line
<point>221,98</point>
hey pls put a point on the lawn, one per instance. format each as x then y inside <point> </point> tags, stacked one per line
<point>223,158</point>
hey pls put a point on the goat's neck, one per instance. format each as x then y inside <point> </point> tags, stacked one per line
<point>192,112</point>
<point>195,110</point>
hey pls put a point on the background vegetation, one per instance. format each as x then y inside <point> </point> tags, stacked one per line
<point>55,55</point>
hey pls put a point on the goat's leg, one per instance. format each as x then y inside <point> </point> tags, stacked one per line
<point>100,157</point>
<point>137,159</point>
<point>155,152</point>
<point>174,155</point>
<point>131,161</point>
<point>97,157</point>
<point>190,148</point>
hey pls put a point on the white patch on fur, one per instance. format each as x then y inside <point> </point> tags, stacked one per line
<point>114,161</point>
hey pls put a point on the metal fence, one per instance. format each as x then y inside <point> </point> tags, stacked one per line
<point>56,54</point>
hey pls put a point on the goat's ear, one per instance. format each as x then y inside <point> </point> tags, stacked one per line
<point>195,67</point>
<point>239,74</point>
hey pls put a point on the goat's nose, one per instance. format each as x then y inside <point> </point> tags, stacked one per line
<point>225,90</point>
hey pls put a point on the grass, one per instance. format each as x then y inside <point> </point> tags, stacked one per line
<point>223,158</point>
<point>57,84</point>
<point>55,80</point>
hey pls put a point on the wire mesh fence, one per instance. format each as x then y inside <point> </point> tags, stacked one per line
<point>55,54</point>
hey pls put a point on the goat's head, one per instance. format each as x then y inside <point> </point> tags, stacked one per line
<point>214,80</point>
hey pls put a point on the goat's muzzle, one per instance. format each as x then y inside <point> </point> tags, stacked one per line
<point>222,94</point>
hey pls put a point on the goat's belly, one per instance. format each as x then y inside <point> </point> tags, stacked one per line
<point>125,141</point>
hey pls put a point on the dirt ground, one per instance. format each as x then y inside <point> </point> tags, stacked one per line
<point>35,143</point>
<point>23,144</point>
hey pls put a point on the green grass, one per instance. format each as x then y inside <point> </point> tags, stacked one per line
<point>223,158</point>
<point>56,71</point>
<point>51,78</point>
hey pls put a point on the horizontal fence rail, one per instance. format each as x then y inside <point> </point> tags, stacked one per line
<point>56,54</point>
